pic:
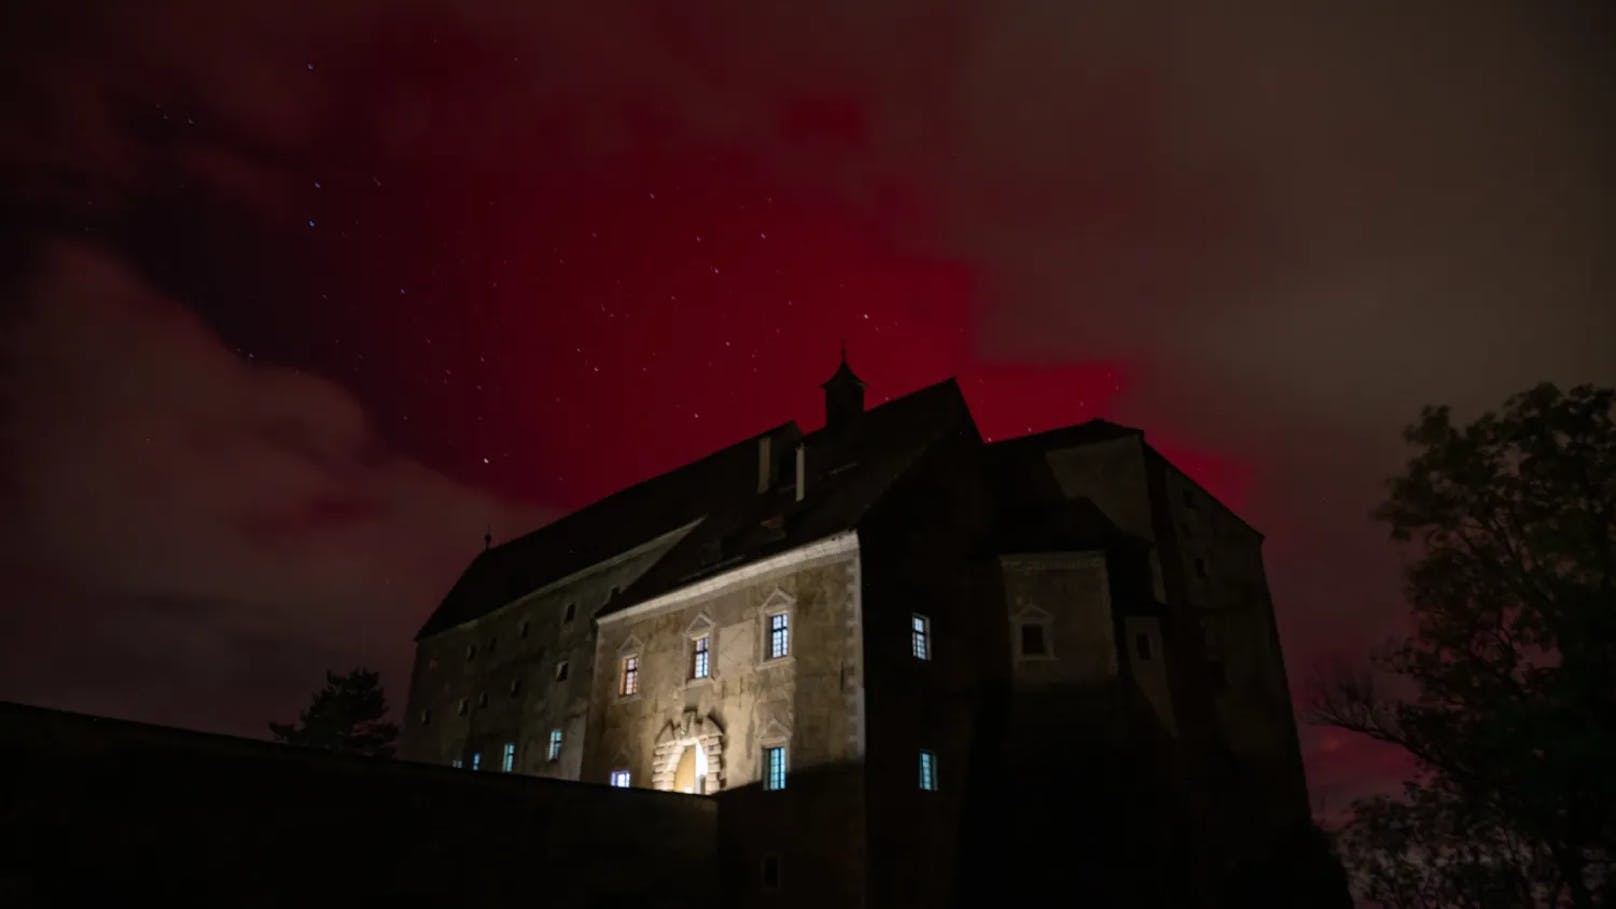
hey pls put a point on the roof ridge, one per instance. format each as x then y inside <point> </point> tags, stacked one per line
<point>640,484</point>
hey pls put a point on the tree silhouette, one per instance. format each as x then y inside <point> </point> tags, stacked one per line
<point>1510,525</point>
<point>346,715</point>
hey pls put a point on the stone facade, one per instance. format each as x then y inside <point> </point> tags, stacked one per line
<point>1042,666</point>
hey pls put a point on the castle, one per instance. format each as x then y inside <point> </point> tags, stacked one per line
<point>910,666</point>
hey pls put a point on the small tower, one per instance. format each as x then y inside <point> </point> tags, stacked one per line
<point>844,395</point>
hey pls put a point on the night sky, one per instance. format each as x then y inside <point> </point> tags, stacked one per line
<point>298,300</point>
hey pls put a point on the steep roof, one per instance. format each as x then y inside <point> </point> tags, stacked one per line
<point>593,534</point>
<point>848,470</point>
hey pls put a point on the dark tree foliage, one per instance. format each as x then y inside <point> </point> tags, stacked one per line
<point>1510,526</point>
<point>346,715</point>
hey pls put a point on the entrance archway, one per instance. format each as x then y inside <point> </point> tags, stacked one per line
<point>689,756</point>
<point>690,776</point>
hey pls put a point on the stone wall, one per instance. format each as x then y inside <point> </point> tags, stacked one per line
<point>748,701</point>
<point>809,701</point>
<point>102,812</point>
<point>495,680</point>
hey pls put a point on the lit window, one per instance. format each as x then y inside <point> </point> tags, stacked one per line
<point>701,657</point>
<point>771,872</point>
<point>1033,642</point>
<point>572,608</point>
<point>507,759</point>
<point>779,635</point>
<point>920,636</point>
<point>476,760</point>
<point>561,671</point>
<point>631,676</point>
<point>774,767</point>
<point>457,763</point>
<point>554,754</point>
<point>928,770</point>
<point>620,779</point>
<point>1141,643</point>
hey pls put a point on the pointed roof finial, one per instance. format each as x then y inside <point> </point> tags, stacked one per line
<point>844,351</point>
<point>488,537</point>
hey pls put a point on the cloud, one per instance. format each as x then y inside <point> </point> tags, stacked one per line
<point>185,523</point>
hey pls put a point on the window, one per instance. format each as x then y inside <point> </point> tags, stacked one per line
<point>561,671</point>
<point>471,652</point>
<point>476,760</point>
<point>457,763</point>
<point>779,635</point>
<point>774,767</point>
<point>701,657</point>
<point>928,770</point>
<point>631,676</point>
<point>482,700</point>
<point>1200,568</point>
<point>493,644</point>
<point>572,609</point>
<point>1189,499</point>
<point>461,710</point>
<point>920,636</point>
<point>620,779</point>
<point>516,687</point>
<point>771,872</point>
<point>507,758</point>
<point>521,630</point>
<point>1141,645</point>
<point>1033,640</point>
<point>611,595</point>
<point>554,754</point>
<point>426,718</point>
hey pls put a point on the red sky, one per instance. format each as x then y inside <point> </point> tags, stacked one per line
<point>301,299</point>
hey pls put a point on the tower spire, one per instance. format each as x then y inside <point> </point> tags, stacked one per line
<point>844,394</point>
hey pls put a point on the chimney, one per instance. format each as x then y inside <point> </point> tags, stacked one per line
<point>802,471</point>
<point>844,395</point>
<point>765,465</point>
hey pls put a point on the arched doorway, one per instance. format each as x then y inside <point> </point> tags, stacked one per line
<point>689,756</point>
<point>690,775</point>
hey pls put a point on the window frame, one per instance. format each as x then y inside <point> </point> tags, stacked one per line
<point>920,637</point>
<point>928,780</point>
<point>1042,625</point>
<point>554,744</point>
<point>476,760</point>
<point>628,675</point>
<point>770,750</point>
<point>561,670</point>
<point>783,617</point>
<point>507,758</point>
<point>621,778</point>
<point>701,657</point>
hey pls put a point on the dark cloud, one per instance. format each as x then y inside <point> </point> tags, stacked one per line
<point>1266,233</point>
<point>193,534</point>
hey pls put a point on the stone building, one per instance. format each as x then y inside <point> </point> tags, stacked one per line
<point>911,667</point>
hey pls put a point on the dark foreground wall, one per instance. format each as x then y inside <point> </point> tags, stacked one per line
<point>104,812</point>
